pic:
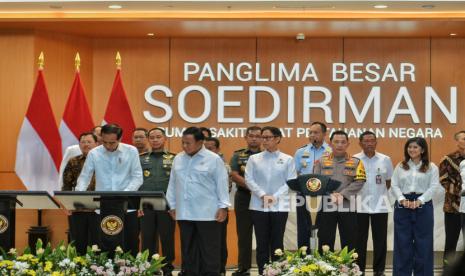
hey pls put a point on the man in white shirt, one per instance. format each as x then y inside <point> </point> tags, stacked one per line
<point>198,199</point>
<point>117,168</point>
<point>373,203</point>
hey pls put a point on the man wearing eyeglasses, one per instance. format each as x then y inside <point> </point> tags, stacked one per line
<point>304,159</point>
<point>244,226</point>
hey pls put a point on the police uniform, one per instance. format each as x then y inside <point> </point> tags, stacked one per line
<point>304,159</point>
<point>244,226</point>
<point>350,172</point>
<point>156,167</point>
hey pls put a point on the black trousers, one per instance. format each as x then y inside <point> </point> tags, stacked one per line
<point>131,232</point>
<point>304,225</point>
<point>453,225</point>
<point>379,234</point>
<point>244,229</point>
<point>84,230</point>
<point>328,222</point>
<point>224,244</point>
<point>269,234</point>
<point>200,247</point>
<point>154,225</point>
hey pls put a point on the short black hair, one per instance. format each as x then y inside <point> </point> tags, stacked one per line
<point>207,130</point>
<point>338,132</point>
<point>112,129</point>
<point>365,133</point>
<point>194,131</point>
<point>88,134</point>
<point>217,142</point>
<point>159,129</point>
<point>141,129</point>
<point>252,128</point>
<point>456,135</point>
<point>274,130</point>
<point>322,125</point>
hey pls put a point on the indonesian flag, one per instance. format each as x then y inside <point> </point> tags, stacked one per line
<point>118,110</point>
<point>76,118</point>
<point>38,153</point>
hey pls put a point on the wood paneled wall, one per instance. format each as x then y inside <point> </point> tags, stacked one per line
<point>439,63</point>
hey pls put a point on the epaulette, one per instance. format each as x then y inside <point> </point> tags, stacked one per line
<point>355,157</point>
<point>303,146</point>
<point>167,154</point>
<point>239,150</point>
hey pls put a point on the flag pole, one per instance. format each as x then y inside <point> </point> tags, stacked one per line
<point>39,231</point>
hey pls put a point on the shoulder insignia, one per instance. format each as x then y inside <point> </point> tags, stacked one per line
<point>168,155</point>
<point>239,150</point>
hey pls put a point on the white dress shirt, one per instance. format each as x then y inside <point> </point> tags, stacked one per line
<point>266,173</point>
<point>414,181</point>
<point>198,186</point>
<point>374,196</point>
<point>119,170</point>
<point>70,152</point>
<point>462,198</point>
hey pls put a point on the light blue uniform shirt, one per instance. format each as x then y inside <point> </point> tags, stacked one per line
<point>198,186</point>
<point>306,156</point>
<point>119,170</point>
<point>266,173</point>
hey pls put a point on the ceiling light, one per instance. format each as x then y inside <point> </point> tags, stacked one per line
<point>115,7</point>
<point>428,6</point>
<point>453,34</point>
<point>380,6</point>
<point>150,34</point>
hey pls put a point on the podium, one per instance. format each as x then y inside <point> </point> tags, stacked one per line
<point>113,206</point>
<point>313,187</point>
<point>12,200</point>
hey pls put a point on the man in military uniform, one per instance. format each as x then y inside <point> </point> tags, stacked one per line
<point>244,226</point>
<point>156,166</point>
<point>304,159</point>
<point>139,140</point>
<point>340,210</point>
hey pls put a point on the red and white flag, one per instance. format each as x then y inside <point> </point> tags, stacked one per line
<point>77,117</point>
<point>38,153</point>
<point>118,110</point>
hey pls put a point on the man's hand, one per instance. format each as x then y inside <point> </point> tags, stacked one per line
<point>337,198</point>
<point>140,213</point>
<point>221,214</point>
<point>268,201</point>
<point>172,214</point>
<point>415,204</point>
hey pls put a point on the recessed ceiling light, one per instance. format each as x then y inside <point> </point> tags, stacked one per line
<point>150,34</point>
<point>428,6</point>
<point>380,6</point>
<point>453,34</point>
<point>116,7</point>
